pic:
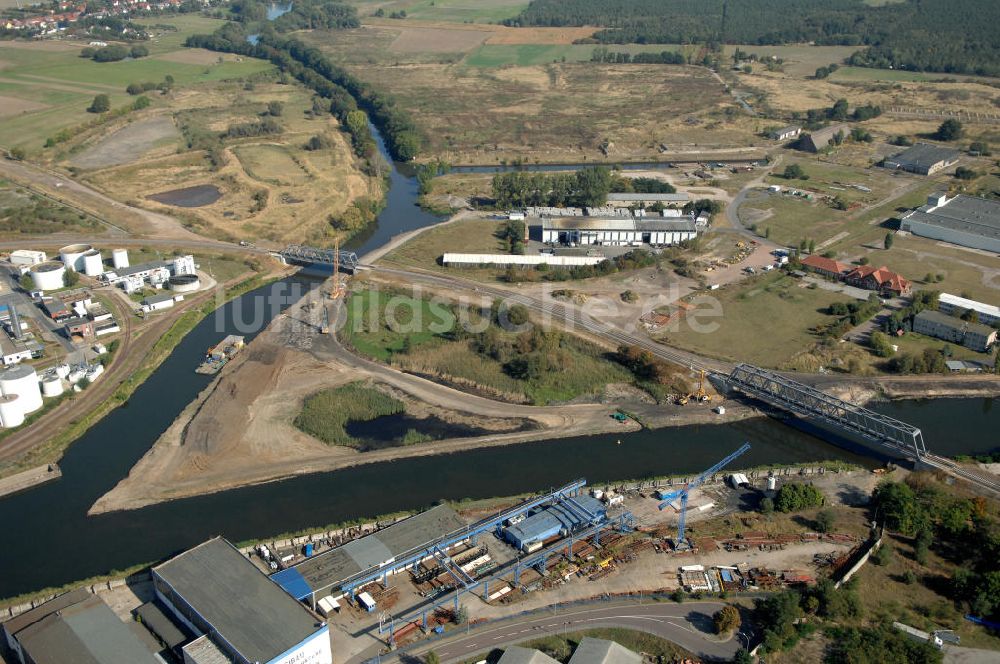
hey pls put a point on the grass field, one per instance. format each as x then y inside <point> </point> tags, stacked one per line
<point>553,112</point>
<point>964,271</point>
<point>749,331</point>
<point>417,337</point>
<point>25,213</point>
<point>272,164</point>
<point>474,236</point>
<point>800,59</point>
<point>457,11</point>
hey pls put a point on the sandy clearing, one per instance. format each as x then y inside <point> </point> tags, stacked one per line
<point>127,144</point>
<point>506,35</point>
<point>14,106</point>
<point>195,56</point>
<point>436,40</point>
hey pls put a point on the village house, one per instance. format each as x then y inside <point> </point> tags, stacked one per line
<point>881,280</point>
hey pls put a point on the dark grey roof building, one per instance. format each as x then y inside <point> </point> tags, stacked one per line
<point>923,158</point>
<point>75,628</point>
<point>822,138</point>
<point>216,591</point>
<point>964,220</point>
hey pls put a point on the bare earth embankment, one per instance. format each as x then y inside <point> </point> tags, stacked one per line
<point>203,452</point>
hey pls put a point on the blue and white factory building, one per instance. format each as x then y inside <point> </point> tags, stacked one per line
<point>555,520</point>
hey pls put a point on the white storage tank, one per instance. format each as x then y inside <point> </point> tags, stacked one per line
<point>93,264</point>
<point>22,381</point>
<point>52,386</point>
<point>119,258</point>
<point>72,256</point>
<point>772,483</point>
<point>62,370</point>
<point>48,276</point>
<point>11,414</point>
<point>94,371</point>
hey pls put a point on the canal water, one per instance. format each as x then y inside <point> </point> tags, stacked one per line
<point>49,540</point>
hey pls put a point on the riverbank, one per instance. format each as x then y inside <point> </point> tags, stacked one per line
<point>926,386</point>
<point>266,385</point>
<point>50,438</point>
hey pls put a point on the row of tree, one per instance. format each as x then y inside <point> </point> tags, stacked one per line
<point>619,57</point>
<point>345,92</point>
<point>115,52</point>
<point>588,187</point>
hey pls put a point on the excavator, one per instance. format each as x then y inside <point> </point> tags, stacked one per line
<point>699,396</point>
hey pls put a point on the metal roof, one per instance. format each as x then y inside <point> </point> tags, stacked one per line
<point>246,608</point>
<point>84,633</point>
<point>601,651</point>
<point>923,155</point>
<point>332,568</point>
<point>965,303</point>
<point>22,620</point>
<point>633,196</point>
<point>141,267</point>
<point>618,224</point>
<point>965,214</point>
<point>156,299</point>
<point>158,622</point>
<point>516,259</point>
<point>519,655</point>
<point>553,518</point>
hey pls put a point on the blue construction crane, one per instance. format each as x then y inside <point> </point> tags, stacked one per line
<point>681,543</point>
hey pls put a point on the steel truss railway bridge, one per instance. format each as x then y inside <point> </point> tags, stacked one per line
<point>898,437</point>
<point>299,253</point>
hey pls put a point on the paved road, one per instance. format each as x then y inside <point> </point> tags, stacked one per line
<point>689,625</point>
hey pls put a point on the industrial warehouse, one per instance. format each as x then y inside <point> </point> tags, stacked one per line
<point>238,612</point>
<point>963,220</point>
<point>613,232</point>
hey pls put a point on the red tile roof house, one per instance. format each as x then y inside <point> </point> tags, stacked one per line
<point>826,266</point>
<point>878,279</point>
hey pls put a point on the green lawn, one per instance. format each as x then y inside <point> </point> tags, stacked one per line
<point>66,84</point>
<point>765,320</point>
<point>474,236</point>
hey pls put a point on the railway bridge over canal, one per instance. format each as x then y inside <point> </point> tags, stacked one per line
<point>303,255</point>
<point>897,437</point>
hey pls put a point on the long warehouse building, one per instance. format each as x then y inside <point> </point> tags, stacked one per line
<point>964,220</point>
<point>556,520</point>
<point>613,232</point>
<point>325,573</point>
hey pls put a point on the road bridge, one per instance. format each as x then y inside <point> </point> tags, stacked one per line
<point>898,437</point>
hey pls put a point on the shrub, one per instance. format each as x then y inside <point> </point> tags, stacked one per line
<point>727,620</point>
<point>796,496</point>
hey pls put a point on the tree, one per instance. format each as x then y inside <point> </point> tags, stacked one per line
<point>839,110</point>
<point>101,104</point>
<point>17,154</point>
<point>965,173</point>
<point>276,108</point>
<point>812,246</point>
<point>825,520</point>
<point>139,51</point>
<point>140,103</point>
<point>881,344</point>
<point>766,505</point>
<point>883,556</point>
<point>979,148</point>
<point>796,496</point>
<point>898,508</point>
<point>134,89</point>
<point>887,243</point>
<point>431,657</point>
<point>27,282</point>
<point>70,278</point>
<point>727,620</point>
<point>794,172</point>
<point>461,615</point>
<point>950,130</point>
<point>743,657</point>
